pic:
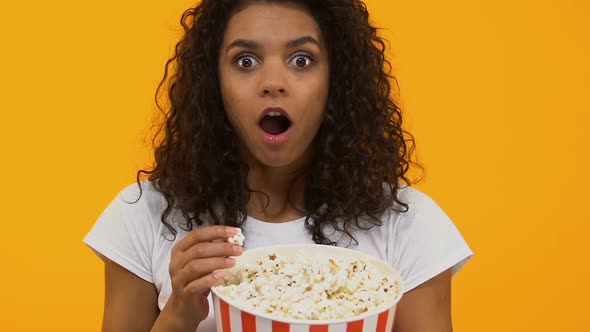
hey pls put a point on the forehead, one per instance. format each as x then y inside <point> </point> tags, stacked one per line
<point>271,21</point>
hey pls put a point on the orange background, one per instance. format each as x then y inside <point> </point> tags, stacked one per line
<point>496,93</point>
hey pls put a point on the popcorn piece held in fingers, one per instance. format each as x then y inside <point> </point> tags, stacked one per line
<point>238,238</point>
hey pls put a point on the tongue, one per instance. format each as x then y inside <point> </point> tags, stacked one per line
<point>274,125</point>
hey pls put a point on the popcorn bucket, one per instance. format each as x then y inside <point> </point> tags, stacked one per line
<point>230,316</point>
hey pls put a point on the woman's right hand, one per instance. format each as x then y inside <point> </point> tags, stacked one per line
<point>194,268</point>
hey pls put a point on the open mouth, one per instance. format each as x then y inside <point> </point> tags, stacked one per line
<point>274,123</point>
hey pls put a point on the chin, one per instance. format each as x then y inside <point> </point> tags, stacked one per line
<point>276,162</point>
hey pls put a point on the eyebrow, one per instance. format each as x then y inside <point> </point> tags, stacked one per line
<point>303,40</point>
<point>291,44</point>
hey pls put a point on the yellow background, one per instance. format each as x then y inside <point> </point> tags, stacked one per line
<point>496,93</point>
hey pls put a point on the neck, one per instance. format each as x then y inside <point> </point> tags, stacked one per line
<point>279,195</point>
<point>279,192</point>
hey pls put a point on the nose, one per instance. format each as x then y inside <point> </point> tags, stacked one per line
<point>273,90</point>
<point>273,81</point>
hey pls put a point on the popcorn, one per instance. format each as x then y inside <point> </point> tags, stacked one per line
<point>307,288</point>
<point>238,238</point>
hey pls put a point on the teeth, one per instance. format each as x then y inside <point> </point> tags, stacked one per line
<point>274,114</point>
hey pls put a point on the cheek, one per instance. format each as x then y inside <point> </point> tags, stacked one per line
<point>233,94</point>
<point>226,90</point>
<point>319,96</point>
<point>322,86</point>
<point>233,104</point>
<point>233,115</point>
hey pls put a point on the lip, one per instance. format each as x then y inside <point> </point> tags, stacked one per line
<point>275,140</point>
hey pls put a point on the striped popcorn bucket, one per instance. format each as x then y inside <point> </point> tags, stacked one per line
<point>230,317</point>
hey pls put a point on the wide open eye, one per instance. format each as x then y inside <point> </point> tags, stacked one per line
<point>301,61</point>
<point>246,62</point>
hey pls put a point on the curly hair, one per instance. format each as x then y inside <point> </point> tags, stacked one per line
<point>362,154</point>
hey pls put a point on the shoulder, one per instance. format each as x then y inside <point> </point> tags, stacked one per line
<point>143,192</point>
<point>422,211</point>
<point>126,230</point>
<point>417,200</point>
<point>140,204</point>
<point>425,241</point>
<point>414,202</point>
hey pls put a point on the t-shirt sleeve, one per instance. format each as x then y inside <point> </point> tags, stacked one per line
<point>124,233</point>
<point>426,242</point>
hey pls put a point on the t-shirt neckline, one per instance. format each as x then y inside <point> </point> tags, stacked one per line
<point>294,221</point>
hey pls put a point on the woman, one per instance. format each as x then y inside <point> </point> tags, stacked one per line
<point>280,121</point>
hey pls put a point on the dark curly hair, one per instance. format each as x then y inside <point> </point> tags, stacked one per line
<point>362,153</point>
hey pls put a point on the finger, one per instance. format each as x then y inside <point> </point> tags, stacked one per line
<point>208,250</point>
<point>203,285</point>
<point>198,268</point>
<point>205,234</point>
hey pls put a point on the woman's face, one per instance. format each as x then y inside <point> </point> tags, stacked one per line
<point>274,76</point>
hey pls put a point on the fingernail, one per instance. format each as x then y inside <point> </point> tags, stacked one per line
<point>238,249</point>
<point>230,261</point>
<point>231,231</point>
<point>218,274</point>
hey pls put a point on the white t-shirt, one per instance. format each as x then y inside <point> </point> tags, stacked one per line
<point>419,244</point>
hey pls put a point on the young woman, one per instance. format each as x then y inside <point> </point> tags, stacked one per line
<point>280,121</point>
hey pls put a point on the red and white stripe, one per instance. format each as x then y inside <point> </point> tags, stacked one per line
<point>231,319</point>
